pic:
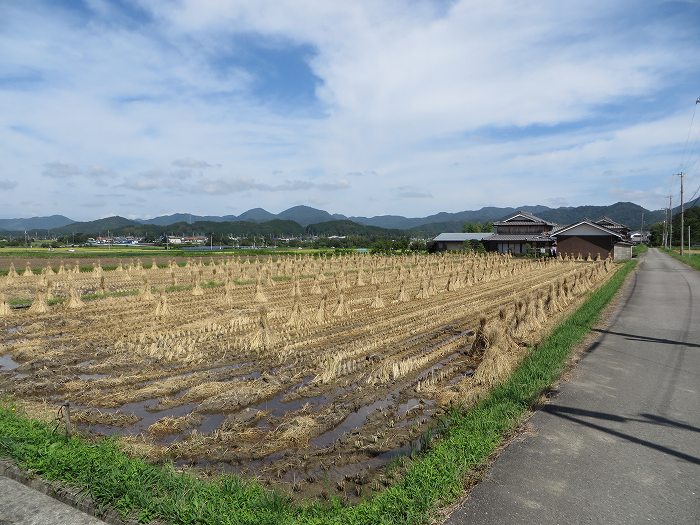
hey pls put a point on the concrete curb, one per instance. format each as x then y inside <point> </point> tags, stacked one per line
<point>64,493</point>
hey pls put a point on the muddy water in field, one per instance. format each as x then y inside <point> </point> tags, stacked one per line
<point>7,363</point>
<point>351,422</point>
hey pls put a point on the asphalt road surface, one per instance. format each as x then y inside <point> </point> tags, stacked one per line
<point>621,442</point>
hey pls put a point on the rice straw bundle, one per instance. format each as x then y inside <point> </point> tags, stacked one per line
<point>74,300</point>
<point>39,305</point>
<point>321,312</point>
<point>145,293</point>
<point>259,296</point>
<point>403,296</point>
<point>5,309</point>
<point>263,338</point>
<point>377,302</point>
<point>341,309</point>
<point>162,308</point>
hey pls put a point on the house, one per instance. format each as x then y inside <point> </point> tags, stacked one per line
<point>587,237</point>
<point>607,222</point>
<point>195,239</point>
<point>520,233</point>
<point>455,241</point>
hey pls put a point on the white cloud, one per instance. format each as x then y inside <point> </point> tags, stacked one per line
<point>194,164</point>
<point>245,184</point>
<point>436,100</point>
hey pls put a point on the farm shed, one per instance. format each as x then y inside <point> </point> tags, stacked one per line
<point>586,237</point>
<point>623,251</point>
<point>455,241</point>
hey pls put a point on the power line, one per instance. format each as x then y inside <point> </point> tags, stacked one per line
<point>687,138</point>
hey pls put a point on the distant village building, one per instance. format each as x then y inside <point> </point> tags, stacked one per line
<point>197,239</point>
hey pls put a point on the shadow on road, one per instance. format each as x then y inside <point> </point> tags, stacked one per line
<point>568,413</point>
<point>646,339</point>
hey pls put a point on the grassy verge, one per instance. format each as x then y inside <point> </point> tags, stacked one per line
<point>639,249</point>
<point>435,478</point>
<point>691,259</point>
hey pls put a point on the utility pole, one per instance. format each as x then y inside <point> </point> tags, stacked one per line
<point>682,214</point>
<point>670,222</point>
<point>641,230</point>
<point>665,230</point>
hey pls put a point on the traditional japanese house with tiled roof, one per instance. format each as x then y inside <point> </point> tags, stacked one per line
<point>520,232</point>
<point>590,238</point>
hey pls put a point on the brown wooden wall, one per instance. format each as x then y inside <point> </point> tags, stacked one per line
<point>594,244</point>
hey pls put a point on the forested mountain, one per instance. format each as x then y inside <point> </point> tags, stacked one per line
<point>305,216</point>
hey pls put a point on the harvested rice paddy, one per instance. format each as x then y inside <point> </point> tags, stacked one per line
<point>310,374</point>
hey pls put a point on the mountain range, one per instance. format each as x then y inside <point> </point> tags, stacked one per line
<point>299,218</point>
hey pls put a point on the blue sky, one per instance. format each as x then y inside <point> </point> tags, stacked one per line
<point>147,107</point>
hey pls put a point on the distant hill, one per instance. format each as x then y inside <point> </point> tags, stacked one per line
<point>347,227</point>
<point>306,215</point>
<point>256,215</point>
<point>35,223</point>
<point>122,226</point>
<point>623,212</point>
<point>99,226</point>
<point>165,220</point>
<point>276,227</point>
<point>482,215</point>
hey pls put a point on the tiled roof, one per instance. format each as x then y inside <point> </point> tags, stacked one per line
<point>518,223</point>
<point>589,223</point>
<point>525,214</point>
<point>608,220</point>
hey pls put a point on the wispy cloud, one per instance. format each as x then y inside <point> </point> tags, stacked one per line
<point>194,164</point>
<point>244,184</point>
<point>8,184</point>
<point>406,192</point>
<point>65,170</point>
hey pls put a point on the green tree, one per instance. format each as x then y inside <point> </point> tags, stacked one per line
<point>656,234</point>
<point>477,227</point>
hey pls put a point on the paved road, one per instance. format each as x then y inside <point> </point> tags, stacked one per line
<point>621,442</point>
<point>20,505</point>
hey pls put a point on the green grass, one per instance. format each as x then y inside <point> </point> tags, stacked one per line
<point>85,252</point>
<point>692,259</point>
<point>104,295</point>
<point>431,480</point>
<point>639,249</point>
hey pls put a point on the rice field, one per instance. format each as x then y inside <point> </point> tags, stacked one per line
<point>311,374</point>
